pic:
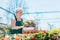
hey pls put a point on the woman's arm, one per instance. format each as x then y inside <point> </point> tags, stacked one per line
<point>13,24</point>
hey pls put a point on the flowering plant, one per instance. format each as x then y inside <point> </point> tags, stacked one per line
<point>30,23</point>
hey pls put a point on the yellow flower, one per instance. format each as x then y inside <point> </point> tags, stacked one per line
<point>55,31</point>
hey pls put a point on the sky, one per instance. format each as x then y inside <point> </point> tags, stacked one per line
<point>43,5</point>
<point>37,6</point>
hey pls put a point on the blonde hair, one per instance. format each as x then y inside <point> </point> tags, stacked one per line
<point>18,9</point>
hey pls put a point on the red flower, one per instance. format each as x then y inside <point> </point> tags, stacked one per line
<point>35,30</point>
<point>2,38</point>
<point>45,31</point>
<point>16,38</point>
<point>33,38</point>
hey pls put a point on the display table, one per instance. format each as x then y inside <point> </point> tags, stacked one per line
<point>29,30</point>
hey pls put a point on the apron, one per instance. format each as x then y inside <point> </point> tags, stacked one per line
<point>18,31</point>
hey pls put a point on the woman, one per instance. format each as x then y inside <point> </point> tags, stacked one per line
<point>17,23</point>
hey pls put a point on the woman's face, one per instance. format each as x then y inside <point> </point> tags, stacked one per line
<point>19,13</point>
